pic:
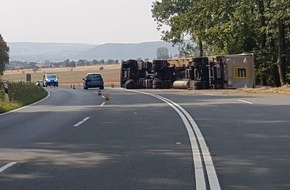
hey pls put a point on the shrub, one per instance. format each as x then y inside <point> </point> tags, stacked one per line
<point>21,94</point>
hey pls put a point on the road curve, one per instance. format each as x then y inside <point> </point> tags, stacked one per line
<point>76,140</point>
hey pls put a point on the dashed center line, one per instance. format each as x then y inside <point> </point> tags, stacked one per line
<point>7,166</point>
<point>81,122</point>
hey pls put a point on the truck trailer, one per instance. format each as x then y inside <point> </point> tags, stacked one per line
<point>217,72</point>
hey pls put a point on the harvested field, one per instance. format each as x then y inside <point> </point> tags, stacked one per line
<point>68,76</point>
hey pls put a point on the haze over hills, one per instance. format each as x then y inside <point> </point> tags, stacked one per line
<point>33,51</point>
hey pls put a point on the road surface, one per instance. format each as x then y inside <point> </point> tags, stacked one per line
<point>75,139</point>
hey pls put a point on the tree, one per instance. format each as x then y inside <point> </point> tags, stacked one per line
<point>35,68</point>
<point>4,55</point>
<point>94,62</point>
<point>81,62</point>
<point>66,63</point>
<point>224,27</point>
<point>230,27</point>
<point>102,61</point>
<point>72,65</point>
<point>178,16</point>
<point>162,53</point>
<point>277,14</point>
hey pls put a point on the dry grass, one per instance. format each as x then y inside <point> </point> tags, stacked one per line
<point>285,90</point>
<point>267,90</point>
<point>67,76</point>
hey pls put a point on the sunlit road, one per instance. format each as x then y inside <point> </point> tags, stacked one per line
<point>76,140</point>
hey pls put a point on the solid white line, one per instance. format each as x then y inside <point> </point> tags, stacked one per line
<point>81,122</point>
<point>211,173</point>
<point>7,166</point>
<point>103,104</point>
<point>198,167</point>
<point>245,102</point>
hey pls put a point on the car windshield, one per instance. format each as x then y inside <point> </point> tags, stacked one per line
<point>94,76</point>
<point>52,76</point>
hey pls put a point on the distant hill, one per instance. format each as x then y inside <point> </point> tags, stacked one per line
<point>31,51</point>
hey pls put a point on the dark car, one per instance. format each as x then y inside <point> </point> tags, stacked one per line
<point>93,80</point>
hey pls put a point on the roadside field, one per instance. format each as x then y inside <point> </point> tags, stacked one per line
<point>68,76</point>
<point>111,75</point>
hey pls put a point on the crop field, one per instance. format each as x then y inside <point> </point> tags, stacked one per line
<point>68,76</point>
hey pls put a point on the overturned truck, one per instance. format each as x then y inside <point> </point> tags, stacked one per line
<point>218,72</point>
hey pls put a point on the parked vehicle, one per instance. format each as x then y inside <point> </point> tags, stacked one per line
<point>50,79</point>
<point>40,83</point>
<point>93,80</point>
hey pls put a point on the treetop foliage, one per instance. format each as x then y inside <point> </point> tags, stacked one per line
<point>229,27</point>
<point>4,55</point>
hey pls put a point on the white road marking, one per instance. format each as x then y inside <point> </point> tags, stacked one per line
<point>193,131</point>
<point>81,122</point>
<point>245,102</point>
<point>208,94</point>
<point>7,166</point>
<point>103,104</point>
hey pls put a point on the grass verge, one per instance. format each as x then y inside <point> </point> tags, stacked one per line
<point>20,94</point>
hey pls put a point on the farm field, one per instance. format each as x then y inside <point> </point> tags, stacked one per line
<point>111,75</point>
<point>68,76</point>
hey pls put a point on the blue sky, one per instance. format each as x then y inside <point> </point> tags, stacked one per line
<point>78,21</point>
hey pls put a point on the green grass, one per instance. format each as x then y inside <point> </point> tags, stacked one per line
<point>20,94</point>
<point>8,106</point>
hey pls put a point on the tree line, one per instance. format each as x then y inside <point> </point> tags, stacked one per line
<point>261,27</point>
<point>14,65</point>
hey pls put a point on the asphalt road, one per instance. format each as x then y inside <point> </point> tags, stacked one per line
<point>75,139</point>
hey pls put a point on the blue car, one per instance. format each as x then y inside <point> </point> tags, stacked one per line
<point>93,80</point>
<point>50,79</point>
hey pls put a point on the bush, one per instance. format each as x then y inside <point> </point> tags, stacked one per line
<point>20,94</point>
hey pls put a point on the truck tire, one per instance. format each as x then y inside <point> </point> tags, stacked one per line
<point>130,84</point>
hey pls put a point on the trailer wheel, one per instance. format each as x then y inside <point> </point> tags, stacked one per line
<point>197,85</point>
<point>130,84</point>
<point>201,85</point>
<point>157,84</point>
